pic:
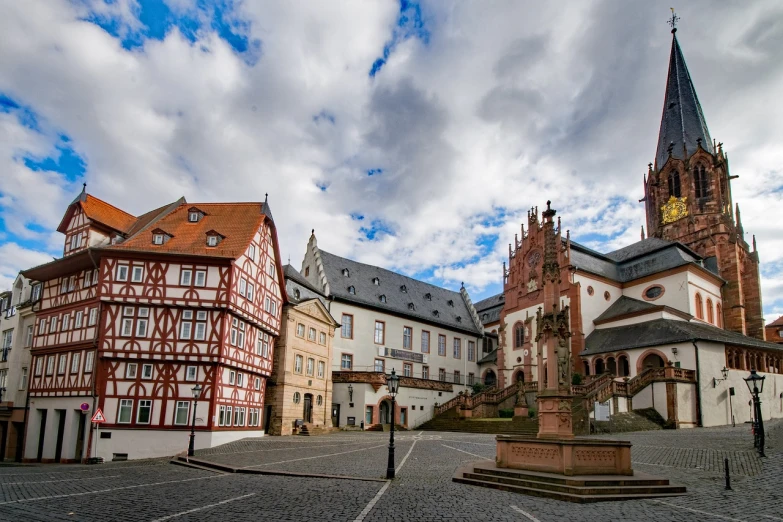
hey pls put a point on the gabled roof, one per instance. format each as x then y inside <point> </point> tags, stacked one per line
<point>489,309</point>
<point>665,331</point>
<point>490,358</point>
<point>624,306</point>
<point>100,212</point>
<point>776,322</point>
<point>682,122</point>
<point>293,275</point>
<point>360,277</point>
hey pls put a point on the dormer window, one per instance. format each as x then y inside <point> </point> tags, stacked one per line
<point>451,303</point>
<point>383,298</point>
<point>352,290</point>
<point>435,313</point>
<point>297,293</point>
<point>428,297</point>
<point>376,281</point>
<point>195,215</point>
<point>411,306</point>
<point>159,237</point>
<point>483,317</point>
<point>214,238</point>
<point>404,289</point>
<point>346,273</point>
<point>459,319</point>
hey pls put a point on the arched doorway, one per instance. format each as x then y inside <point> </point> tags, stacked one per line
<point>611,365</point>
<point>624,368</point>
<point>519,376</point>
<point>652,360</point>
<point>490,379</point>
<point>307,414</point>
<point>599,366</point>
<point>384,416</point>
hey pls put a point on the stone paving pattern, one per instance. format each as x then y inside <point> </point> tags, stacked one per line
<point>155,490</point>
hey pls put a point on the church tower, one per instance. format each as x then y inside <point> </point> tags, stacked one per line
<point>687,195</point>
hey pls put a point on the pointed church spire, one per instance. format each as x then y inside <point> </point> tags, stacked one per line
<point>265,210</point>
<point>682,123</point>
<point>642,232</point>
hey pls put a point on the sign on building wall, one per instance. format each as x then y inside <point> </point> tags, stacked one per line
<point>601,411</point>
<point>404,355</point>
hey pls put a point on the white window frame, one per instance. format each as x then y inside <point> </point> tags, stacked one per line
<point>87,278</point>
<point>131,370</point>
<point>93,318</point>
<point>127,327</point>
<point>191,373</point>
<point>242,286</point>
<point>310,369</point>
<point>141,327</point>
<point>178,409</point>
<point>221,415</point>
<point>228,416</point>
<point>53,325</point>
<point>240,379</point>
<point>322,338</point>
<point>142,403</point>
<point>23,379</point>
<point>122,272</point>
<point>62,364</point>
<point>311,334</point>
<point>64,285</point>
<point>298,364</point>
<point>42,327</point>
<point>28,341</point>
<point>39,362</point>
<point>137,274</point>
<point>50,365</point>
<point>185,277</point>
<point>212,240</point>
<point>157,239</point>
<point>193,216</point>
<point>185,329</point>
<point>78,320</point>
<point>346,357</point>
<point>76,241</point>
<point>232,376</point>
<point>146,371</point>
<point>76,358</point>
<point>270,271</point>
<point>126,405</point>
<point>89,361</point>
<point>257,384</point>
<point>251,290</point>
<point>321,369</point>
<point>65,322</point>
<point>251,252</point>
<point>201,278</point>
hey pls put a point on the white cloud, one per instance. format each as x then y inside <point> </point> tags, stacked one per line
<point>504,108</point>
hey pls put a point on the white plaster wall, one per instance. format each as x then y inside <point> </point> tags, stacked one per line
<point>594,305</point>
<point>71,407</point>
<point>686,405</point>
<point>652,396</point>
<point>715,399</point>
<point>142,444</point>
<point>631,320</point>
<point>365,351</point>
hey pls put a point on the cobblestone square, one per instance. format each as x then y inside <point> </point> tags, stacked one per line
<point>156,490</point>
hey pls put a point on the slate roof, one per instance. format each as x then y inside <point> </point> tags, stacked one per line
<point>489,309</point>
<point>646,257</point>
<point>398,302</point>
<point>490,358</point>
<point>665,331</point>
<point>623,306</point>
<point>295,282</point>
<point>682,122</point>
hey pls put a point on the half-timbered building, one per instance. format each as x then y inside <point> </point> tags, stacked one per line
<point>140,310</point>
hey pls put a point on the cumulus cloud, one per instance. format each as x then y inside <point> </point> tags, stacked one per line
<point>425,162</point>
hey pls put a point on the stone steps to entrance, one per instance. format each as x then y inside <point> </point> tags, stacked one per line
<point>580,489</point>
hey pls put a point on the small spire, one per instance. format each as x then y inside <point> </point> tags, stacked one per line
<point>642,232</point>
<point>462,284</point>
<point>312,232</point>
<point>673,21</point>
<point>84,188</point>
<point>754,242</point>
<point>266,197</point>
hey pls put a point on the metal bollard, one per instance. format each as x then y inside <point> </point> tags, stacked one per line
<point>728,479</point>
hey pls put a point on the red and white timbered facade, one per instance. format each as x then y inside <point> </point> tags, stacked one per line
<point>132,322</point>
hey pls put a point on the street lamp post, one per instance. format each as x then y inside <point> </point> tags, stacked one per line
<point>196,394</point>
<point>755,384</point>
<point>393,382</point>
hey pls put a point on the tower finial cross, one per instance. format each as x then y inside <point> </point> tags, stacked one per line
<point>673,21</point>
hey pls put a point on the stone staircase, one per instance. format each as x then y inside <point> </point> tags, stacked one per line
<point>490,396</point>
<point>516,426</point>
<point>638,420</point>
<point>578,488</point>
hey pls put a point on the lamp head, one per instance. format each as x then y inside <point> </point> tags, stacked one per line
<point>755,382</point>
<point>196,391</point>
<point>393,382</point>
<point>725,372</point>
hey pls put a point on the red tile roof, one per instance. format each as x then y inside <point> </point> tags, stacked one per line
<point>776,322</point>
<point>100,211</point>
<point>236,222</point>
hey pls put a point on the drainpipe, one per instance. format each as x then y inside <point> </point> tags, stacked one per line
<point>698,385</point>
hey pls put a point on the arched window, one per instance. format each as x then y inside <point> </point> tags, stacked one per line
<point>719,316</point>
<point>519,376</point>
<point>586,368</point>
<point>519,335</point>
<point>699,307</point>
<point>599,366</point>
<point>710,315</point>
<point>674,184</point>
<point>700,181</point>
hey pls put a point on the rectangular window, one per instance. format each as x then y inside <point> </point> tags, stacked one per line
<point>185,277</point>
<point>234,331</point>
<point>77,322</point>
<point>310,366</point>
<point>267,305</point>
<point>240,379</point>
<point>95,277</point>
<point>23,380</point>
<point>322,338</point>
<point>407,337</point>
<point>127,311</point>
<point>298,363</point>
<point>251,252</point>
<point>145,412</point>
<point>64,285</point>
<point>127,327</point>
<point>407,370</point>
<point>75,360</point>
<point>137,274</point>
<point>191,373</point>
<point>88,361</point>
<point>321,369</point>
<point>122,272</point>
<point>125,411</point>
<point>62,364</point>
<point>38,365</point>
<point>241,421</point>
<point>53,325</point>
<point>36,292</point>
<point>368,415</point>
<point>232,377</point>
<point>379,332</point>
<point>379,365</point>
<point>425,341</point>
<point>93,317</point>
<point>66,320</point>
<point>157,239</point>
<point>471,351</point>
<point>242,286</point>
<point>201,331</point>
<point>130,370</point>
<point>72,283</point>
<point>87,278</point>
<point>201,278</point>
<point>311,334</point>
<point>258,383</point>
<point>50,365</point>
<point>273,310</point>
<point>184,330</point>
<point>471,379</point>
<point>75,242</point>
<point>241,336</point>
<point>442,345</point>
<point>146,371</point>
<point>425,372</point>
<point>457,377</point>
<point>42,327</point>
<point>251,291</point>
<point>228,415</point>
<point>300,330</point>
<point>441,374</point>
<point>181,413</point>
<point>222,416</point>
<point>270,271</point>
<point>458,348</point>
<point>346,332</point>
<point>346,362</point>
<point>141,328</point>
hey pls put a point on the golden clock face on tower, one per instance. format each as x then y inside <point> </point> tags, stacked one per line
<point>673,210</point>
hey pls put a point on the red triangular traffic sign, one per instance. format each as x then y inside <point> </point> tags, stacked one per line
<point>98,417</point>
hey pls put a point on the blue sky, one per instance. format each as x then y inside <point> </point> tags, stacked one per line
<point>412,135</point>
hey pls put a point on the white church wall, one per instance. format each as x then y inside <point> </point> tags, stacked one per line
<point>675,291</point>
<point>687,413</point>
<point>652,396</point>
<point>708,290</point>
<point>596,304</point>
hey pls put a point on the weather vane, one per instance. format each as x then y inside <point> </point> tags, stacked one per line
<point>673,20</point>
